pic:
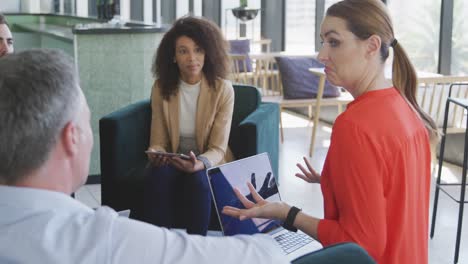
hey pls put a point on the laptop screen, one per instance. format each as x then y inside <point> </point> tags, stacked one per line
<point>256,170</point>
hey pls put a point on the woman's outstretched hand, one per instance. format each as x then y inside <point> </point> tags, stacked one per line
<point>258,209</point>
<point>310,175</point>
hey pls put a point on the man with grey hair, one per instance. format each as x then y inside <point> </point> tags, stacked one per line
<point>6,39</point>
<point>45,146</point>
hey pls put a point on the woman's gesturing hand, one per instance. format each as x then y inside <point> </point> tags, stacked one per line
<point>309,175</point>
<point>258,209</point>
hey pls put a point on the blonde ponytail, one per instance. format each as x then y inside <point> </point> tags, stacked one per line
<point>405,80</point>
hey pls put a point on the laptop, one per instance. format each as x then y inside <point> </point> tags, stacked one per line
<point>256,170</point>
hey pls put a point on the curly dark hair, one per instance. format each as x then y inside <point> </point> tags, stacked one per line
<point>207,36</point>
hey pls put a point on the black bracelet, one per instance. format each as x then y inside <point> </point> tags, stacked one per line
<point>289,222</point>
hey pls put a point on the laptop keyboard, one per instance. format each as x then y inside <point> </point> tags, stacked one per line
<point>291,241</point>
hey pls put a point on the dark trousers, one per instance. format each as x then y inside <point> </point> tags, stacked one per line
<point>176,199</point>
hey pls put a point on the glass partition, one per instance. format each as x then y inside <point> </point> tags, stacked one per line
<point>197,7</point>
<point>300,26</point>
<point>329,3</point>
<point>459,64</point>
<point>182,8</point>
<point>417,26</point>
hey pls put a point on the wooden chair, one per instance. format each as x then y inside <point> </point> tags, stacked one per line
<point>265,44</point>
<point>239,73</point>
<point>267,75</point>
<point>314,104</point>
<point>432,96</point>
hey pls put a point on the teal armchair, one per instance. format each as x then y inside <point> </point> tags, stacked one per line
<point>124,136</point>
<point>342,253</point>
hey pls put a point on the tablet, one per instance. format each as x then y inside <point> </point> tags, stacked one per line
<point>167,154</point>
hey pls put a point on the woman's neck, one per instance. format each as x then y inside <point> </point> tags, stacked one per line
<point>371,81</point>
<point>191,79</point>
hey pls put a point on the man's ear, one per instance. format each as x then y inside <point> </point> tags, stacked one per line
<point>373,45</point>
<point>70,138</point>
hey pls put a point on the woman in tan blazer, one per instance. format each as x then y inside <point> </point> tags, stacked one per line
<point>192,107</point>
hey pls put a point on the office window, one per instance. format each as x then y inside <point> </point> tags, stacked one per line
<point>182,8</point>
<point>231,26</point>
<point>300,26</point>
<point>417,26</point>
<point>459,64</point>
<point>197,7</point>
<point>329,3</point>
<point>156,11</point>
<point>136,10</point>
<point>69,7</point>
<point>58,6</point>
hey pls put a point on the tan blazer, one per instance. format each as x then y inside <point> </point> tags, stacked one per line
<point>212,125</point>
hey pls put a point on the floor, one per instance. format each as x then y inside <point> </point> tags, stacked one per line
<point>308,196</point>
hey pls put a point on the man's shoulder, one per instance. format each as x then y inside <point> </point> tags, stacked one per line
<point>82,233</point>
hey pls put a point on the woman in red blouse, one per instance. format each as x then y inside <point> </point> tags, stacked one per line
<point>376,176</point>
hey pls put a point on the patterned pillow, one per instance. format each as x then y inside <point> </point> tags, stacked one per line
<point>242,47</point>
<point>298,82</point>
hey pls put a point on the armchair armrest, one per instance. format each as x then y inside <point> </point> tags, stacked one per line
<point>262,128</point>
<point>124,136</point>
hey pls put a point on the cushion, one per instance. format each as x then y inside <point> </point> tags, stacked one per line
<point>298,82</point>
<point>242,47</point>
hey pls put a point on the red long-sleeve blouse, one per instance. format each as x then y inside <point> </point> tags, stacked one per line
<point>376,179</point>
